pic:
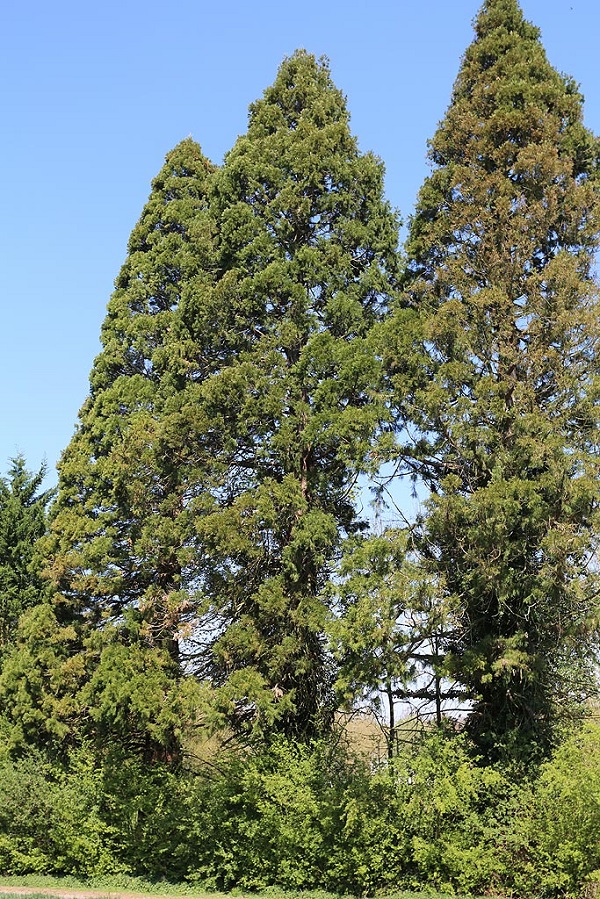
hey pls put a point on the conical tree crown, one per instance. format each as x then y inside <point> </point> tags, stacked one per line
<point>169,249</point>
<point>303,206</point>
<point>119,548</point>
<point>506,16</point>
<point>507,83</point>
<point>501,252</point>
<point>111,471</point>
<point>514,124</point>
<point>307,248</point>
<point>302,95</point>
<point>23,516</point>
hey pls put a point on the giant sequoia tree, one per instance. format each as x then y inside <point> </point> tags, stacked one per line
<point>307,253</point>
<point>118,555</point>
<point>504,401</point>
<point>209,483</point>
<point>119,523</point>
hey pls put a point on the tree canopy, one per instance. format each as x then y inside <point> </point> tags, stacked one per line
<point>308,263</point>
<point>266,351</point>
<point>501,383</point>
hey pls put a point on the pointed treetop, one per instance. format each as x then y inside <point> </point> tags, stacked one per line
<point>185,159</point>
<point>182,178</point>
<point>508,95</point>
<point>300,124</point>
<point>504,416</point>
<point>303,91</point>
<point>505,15</point>
<point>506,46</point>
<point>168,248</point>
<point>295,189</point>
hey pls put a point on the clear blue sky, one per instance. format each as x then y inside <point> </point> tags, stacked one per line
<point>95,94</point>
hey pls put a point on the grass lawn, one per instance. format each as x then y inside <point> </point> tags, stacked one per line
<point>115,885</point>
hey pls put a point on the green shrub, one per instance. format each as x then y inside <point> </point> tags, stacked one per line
<point>49,817</point>
<point>148,807</point>
<point>298,818</point>
<point>565,823</point>
<point>264,820</point>
<point>309,817</point>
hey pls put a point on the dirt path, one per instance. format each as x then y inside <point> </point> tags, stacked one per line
<point>66,893</point>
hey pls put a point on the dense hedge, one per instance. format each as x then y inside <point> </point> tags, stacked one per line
<point>307,818</point>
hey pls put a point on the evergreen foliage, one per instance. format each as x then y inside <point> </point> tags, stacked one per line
<point>119,515</point>
<point>206,565</point>
<point>308,259</point>
<point>308,816</point>
<point>118,556</point>
<point>22,523</point>
<point>209,483</point>
<point>503,392</point>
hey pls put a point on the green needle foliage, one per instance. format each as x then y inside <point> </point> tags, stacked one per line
<point>118,554</point>
<point>119,523</point>
<point>22,523</point>
<point>206,567</point>
<point>308,255</point>
<point>505,396</point>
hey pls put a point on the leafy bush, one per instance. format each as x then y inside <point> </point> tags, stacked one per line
<point>309,817</point>
<point>267,819</point>
<point>565,822</point>
<point>434,818</point>
<point>300,817</point>
<point>49,817</point>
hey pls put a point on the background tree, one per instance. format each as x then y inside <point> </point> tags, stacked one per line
<point>388,634</point>
<point>503,400</point>
<point>23,508</point>
<point>308,255</point>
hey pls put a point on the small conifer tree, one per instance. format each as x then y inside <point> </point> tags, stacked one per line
<point>23,508</point>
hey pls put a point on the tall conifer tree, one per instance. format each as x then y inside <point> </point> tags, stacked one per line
<point>120,550</point>
<point>308,250</point>
<point>501,250</point>
<point>120,507</point>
